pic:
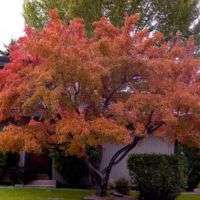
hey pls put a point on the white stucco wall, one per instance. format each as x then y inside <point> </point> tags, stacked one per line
<point>22,158</point>
<point>148,145</point>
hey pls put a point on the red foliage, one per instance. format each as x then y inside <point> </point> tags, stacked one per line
<point>117,84</point>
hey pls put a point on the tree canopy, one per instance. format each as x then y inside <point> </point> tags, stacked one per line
<point>68,91</point>
<point>97,87</point>
<point>167,16</point>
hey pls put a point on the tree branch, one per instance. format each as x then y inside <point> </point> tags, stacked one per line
<point>156,127</point>
<point>93,169</point>
<point>149,120</point>
<point>109,97</point>
<point>132,145</point>
<point>124,151</point>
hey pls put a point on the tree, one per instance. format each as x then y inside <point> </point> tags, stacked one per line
<point>36,12</point>
<point>70,92</point>
<point>167,16</point>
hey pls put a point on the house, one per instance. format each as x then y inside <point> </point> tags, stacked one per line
<point>47,175</point>
<point>44,169</point>
<point>3,61</point>
<point>148,145</point>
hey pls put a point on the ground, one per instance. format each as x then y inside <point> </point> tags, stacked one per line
<point>57,194</point>
<point>42,194</point>
<point>189,197</point>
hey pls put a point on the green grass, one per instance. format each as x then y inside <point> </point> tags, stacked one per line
<point>181,197</point>
<point>58,194</point>
<point>189,197</point>
<point>42,194</point>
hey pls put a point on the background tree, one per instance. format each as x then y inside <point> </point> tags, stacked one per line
<point>68,92</point>
<point>36,12</point>
<point>167,16</point>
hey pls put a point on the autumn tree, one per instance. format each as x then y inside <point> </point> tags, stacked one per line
<point>167,16</point>
<point>64,91</point>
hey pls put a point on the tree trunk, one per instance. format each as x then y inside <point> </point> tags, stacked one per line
<point>102,177</point>
<point>101,190</point>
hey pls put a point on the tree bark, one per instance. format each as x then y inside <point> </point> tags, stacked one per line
<point>102,177</point>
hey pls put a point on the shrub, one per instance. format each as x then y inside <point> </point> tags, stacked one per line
<point>122,186</point>
<point>16,175</point>
<point>193,157</point>
<point>12,160</point>
<point>3,158</point>
<point>9,170</point>
<point>159,177</point>
<point>72,169</point>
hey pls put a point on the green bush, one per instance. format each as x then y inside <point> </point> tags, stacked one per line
<point>8,168</point>
<point>193,162</point>
<point>122,186</point>
<point>72,169</point>
<point>158,177</point>
<point>3,159</point>
<point>16,175</point>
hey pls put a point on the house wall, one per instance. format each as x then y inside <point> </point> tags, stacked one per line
<point>22,158</point>
<point>148,145</point>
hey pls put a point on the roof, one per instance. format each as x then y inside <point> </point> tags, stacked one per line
<point>3,61</point>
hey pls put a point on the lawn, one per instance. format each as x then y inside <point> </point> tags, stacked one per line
<point>42,194</point>
<point>189,197</point>
<point>182,197</point>
<point>57,194</point>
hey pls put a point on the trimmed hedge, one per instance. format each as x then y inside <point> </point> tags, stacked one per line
<point>158,177</point>
<point>193,163</point>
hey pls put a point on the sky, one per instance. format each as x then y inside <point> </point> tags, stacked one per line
<point>11,21</point>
